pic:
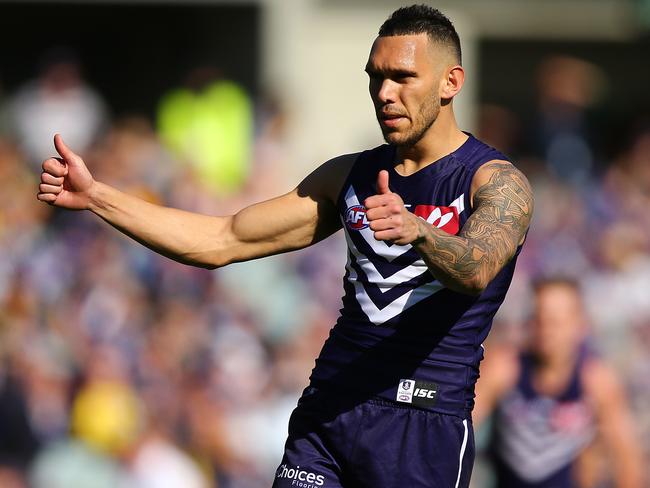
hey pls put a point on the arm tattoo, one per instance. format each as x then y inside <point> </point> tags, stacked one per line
<point>488,240</point>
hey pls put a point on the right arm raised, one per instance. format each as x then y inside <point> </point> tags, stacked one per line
<point>292,221</point>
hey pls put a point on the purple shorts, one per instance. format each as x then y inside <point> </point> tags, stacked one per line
<point>335,442</point>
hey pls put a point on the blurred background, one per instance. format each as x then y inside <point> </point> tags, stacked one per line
<point>119,368</point>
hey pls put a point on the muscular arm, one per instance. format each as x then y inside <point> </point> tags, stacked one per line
<point>489,239</point>
<point>503,202</point>
<point>292,221</point>
<point>615,424</point>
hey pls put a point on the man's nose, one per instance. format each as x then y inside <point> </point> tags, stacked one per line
<point>387,92</point>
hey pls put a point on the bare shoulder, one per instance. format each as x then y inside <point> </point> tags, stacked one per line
<point>326,180</point>
<point>600,380</point>
<point>506,180</point>
<point>503,197</point>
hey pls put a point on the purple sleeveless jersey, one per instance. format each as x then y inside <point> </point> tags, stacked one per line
<point>402,335</point>
<point>538,437</point>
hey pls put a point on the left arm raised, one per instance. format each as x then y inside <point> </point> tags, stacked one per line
<point>467,262</point>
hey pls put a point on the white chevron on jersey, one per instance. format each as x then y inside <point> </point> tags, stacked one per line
<point>378,316</point>
<point>534,450</point>
<point>403,275</point>
<point>409,298</point>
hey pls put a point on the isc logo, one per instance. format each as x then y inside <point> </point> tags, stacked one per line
<point>424,393</point>
<point>416,392</point>
<point>355,217</point>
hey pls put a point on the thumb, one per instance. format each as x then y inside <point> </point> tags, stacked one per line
<point>382,182</point>
<point>65,152</point>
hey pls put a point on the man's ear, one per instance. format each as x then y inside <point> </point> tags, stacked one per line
<point>453,82</point>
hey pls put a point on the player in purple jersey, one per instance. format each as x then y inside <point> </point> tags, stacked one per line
<point>552,401</point>
<point>434,221</point>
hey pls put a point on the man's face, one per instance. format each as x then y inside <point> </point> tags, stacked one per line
<point>405,75</point>
<point>558,326</point>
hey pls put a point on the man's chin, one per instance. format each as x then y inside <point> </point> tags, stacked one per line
<point>397,139</point>
<point>391,136</point>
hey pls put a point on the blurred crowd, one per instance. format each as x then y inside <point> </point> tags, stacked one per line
<point>120,368</point>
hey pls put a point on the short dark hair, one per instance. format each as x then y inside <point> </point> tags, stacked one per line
<point>541,282</point>
<point>422,19</point>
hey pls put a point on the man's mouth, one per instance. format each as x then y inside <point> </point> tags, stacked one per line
<point>391,119</point>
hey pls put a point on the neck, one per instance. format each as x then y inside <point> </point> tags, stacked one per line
<point>555,364</point>
<point>551,374</point>
<point>442,138</point>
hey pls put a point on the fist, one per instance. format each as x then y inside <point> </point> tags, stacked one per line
<point>388,217</point>
<point>65,180</point>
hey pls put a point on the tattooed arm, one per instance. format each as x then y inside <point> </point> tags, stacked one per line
<point>503,206</point>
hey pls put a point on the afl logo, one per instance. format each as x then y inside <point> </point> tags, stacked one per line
<point>355,217</point>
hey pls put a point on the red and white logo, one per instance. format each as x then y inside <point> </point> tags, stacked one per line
<point>355,217</point>
<point>445,218</point>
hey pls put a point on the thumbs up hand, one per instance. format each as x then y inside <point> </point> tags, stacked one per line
<point>65,181</point>
<point>387,215</point>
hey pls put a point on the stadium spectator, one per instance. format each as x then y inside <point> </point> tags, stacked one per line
<point>553,398</point>
<point>58,98</point>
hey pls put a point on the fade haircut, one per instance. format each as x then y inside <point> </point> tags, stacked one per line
<point>422,19</point>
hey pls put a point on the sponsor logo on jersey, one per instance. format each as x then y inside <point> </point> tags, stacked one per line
<point>445,218</point>
<point>419,393</point>
<point>300,477</point>
<point>355,217</point>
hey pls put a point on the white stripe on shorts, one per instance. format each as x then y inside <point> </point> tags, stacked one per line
<point>462,453</point>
